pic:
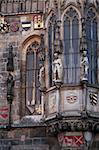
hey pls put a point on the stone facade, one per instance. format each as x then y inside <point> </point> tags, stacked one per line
<point>47,113</point>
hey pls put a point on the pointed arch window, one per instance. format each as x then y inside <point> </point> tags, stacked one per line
<point>71,47</point>
<point>32,71</point>
<point>51,39</point>
<point>92,40</point>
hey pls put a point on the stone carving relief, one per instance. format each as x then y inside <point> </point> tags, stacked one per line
<point>71,99</point>
<point>52,103</point>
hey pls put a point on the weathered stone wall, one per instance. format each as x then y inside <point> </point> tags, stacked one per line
<point>11,6</point>
<point>4,50</point>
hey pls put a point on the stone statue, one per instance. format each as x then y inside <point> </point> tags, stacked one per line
<point>84,66</point>
<point>42,77</point>
<point>57,69</point>
<point>10,64</point>
<point>10,87</point>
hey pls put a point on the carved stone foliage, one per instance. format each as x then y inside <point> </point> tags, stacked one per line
<point>76,125</point>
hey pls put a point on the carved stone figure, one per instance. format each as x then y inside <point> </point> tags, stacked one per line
<point>42,77</point>
<point>10,64</point>
<point>57,68</point>
<point>84,66</point>
<point>10,87</point>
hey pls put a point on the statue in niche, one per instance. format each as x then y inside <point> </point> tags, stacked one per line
<point>10,88</point>
<point>10,64</point>
<point>57,68</point>
<point>42,77</point>
<point>84,66</point>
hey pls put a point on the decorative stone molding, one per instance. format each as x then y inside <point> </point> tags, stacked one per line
<point>72,125</point>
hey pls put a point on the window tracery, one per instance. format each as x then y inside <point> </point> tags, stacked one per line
<point>71,46</point>
<point>32,72</point>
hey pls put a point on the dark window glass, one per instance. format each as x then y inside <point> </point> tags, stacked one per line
<point>29,76</point>
<point>71,47</point>
<point>91,27</point>
<point>32,83</point>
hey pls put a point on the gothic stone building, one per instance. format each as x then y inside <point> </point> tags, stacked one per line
<point>49,74</point>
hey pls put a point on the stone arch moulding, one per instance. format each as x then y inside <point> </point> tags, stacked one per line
<point>28,42</point>
<point>48,18</point>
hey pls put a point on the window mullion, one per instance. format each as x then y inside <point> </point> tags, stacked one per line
<point>71,38</point>
<point>34,82</point>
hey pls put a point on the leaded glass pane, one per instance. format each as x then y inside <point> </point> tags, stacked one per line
<point>71,47</point>
<point>32,72</point>
<point>29,76</point>
<point>91,28</point>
